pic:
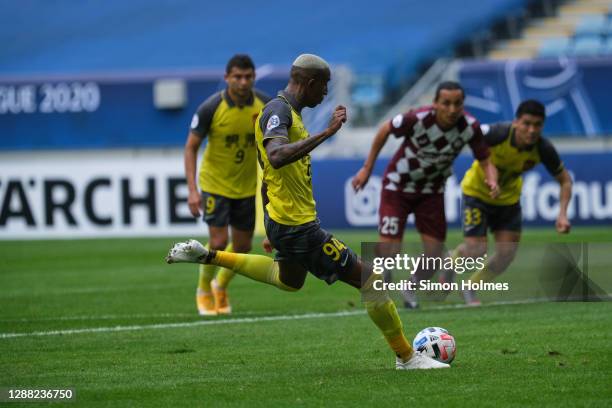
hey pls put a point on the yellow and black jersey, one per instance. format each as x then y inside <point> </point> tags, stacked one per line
<point>229,163</point>
<point>511,163</point>
<point>287,191</point>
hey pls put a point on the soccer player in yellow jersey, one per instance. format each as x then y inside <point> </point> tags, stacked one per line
<point>290,216</point>
<point>515,148</point>
<point>227,176</point>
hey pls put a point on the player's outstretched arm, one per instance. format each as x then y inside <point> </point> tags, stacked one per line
<point>565,194</point>
<point>363,175</point>
<point>190,157</point>
<point>491,177</point>
<point>281,152</point>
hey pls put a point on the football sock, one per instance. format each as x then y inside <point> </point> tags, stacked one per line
<point>383,313</point>
<point>483,274</point>
<point>207,273</point>
<point>257,267</point>
<point>224,276</point>
<point>385,316</point>
<point>454,254</point>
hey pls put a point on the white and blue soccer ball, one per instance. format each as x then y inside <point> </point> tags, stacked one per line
<point>436,343</point>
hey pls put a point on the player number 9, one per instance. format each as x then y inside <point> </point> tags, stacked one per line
<point>239,156</point>
<point>210,204</point>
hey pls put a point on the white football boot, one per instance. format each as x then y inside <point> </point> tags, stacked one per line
<point>418,361</point>
<point>191,252</point>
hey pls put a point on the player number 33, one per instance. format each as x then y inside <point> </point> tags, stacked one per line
<point>472,216</point>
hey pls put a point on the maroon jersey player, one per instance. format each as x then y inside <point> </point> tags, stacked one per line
<point>414,180</point>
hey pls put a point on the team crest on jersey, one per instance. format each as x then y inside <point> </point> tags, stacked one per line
<point>397,121</point>
<point>273,122</point>
<point>195,121</point>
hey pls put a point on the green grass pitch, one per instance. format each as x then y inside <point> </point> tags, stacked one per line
<point>111,320</point>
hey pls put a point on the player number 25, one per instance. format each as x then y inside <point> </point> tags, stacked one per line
<point>390,225</point>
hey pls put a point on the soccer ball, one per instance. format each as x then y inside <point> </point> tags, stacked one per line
<point>436,343</point>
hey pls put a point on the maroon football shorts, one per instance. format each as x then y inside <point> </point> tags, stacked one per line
<point>428,209</point>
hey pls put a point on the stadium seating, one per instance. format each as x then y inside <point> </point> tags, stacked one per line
<point>590,46</point>
<point>388,38</point>
<point>592,25</point>
<point>589,39</point>
<point>553,47</point>
<point>608,46</point>
<point>580,28</point>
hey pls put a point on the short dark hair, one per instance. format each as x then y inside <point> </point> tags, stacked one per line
<point>531,107</point>
<point>449,86</point>
<point>241,61</point>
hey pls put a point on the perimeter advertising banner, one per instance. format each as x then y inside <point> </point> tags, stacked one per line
<point>574,91</point>
<point>591,202</point>
<point>143,193</point>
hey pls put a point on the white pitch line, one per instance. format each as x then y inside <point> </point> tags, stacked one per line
<point>83,291</point>
<point>181,325</point>
<point>118,317</point>
<point>246,320</point>
<point>99,317</point>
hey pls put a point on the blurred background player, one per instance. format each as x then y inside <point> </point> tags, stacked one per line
<point>227,175</point>
<point>291,219</point>
<point>515,148</point>
<point>415,177</point>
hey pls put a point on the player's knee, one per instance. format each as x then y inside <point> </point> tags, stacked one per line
<point>291,286</point>
<point>290,282</point>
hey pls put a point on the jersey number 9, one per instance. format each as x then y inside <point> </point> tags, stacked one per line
<point>239,156</point>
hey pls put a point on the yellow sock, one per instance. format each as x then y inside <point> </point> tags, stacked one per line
<point>257,267</point>
<point>483,274</point>
<point>385,316</point>
<point>454,254</point>
<point>224,276</point>
<point>383,313</point>
<point>207,273</point>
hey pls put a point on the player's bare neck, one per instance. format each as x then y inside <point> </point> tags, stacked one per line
<point>295,96</point>
<point>520,144</point>
<point>238,101</point>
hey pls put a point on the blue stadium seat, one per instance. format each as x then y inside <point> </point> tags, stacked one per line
<point>587,47</point>
<point>607,49</point>
<point>391,38</point>
<point>608,32</point>
<point>596,24</point>
<point>554,47</point>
